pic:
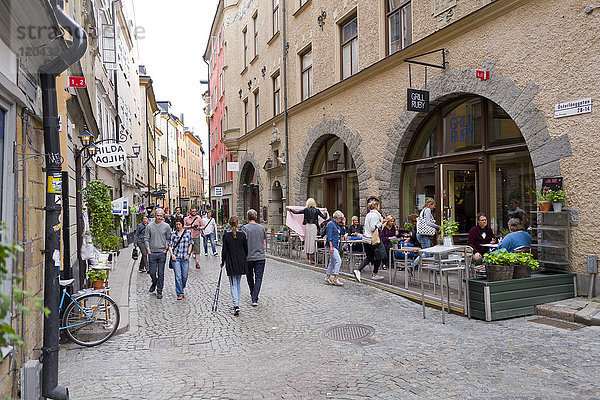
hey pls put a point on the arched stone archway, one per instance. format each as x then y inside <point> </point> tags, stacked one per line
<point>315,138</point>
<point>248,161</point>
<point>545,152</point>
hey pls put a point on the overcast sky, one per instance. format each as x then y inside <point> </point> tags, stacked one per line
<point>174,38</point>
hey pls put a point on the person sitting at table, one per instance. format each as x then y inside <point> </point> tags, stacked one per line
<point>516,238</point>
<point>356,229</point>
<point>479,235</point>
<point>389,231</point>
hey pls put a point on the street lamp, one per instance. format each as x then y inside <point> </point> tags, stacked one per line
<point>85,137</point>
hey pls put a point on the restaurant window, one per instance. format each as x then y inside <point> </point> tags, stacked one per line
<point>256,110</point>
<point>246,116</point>
<point>275,16</point>
<point>462,126</point>
<point>502,129</point>
<point>349,48</point>
<point>307,74</point>
<point>399,20</point>
<point>276,97</point>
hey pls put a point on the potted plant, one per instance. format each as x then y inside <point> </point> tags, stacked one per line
<point>557,197</point>
<point>543,198</point>
<point>499,265</point>
<point>97,277</point>
<point>408,227</point>
<point>524,263</point>
<point>449,228</point>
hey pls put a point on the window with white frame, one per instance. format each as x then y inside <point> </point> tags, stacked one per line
<point>245,34</point>
<point>307,74</point>
<point>256,109</point>
<point>349,48</point>
<point>221,85</point>
<point>276,94</point>
<point>255,30</point>
<point>275,16</point>
<point>399,20</point>
<point>246,116</point>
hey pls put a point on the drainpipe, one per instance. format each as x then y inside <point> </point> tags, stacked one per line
<point>48,74</point>
<point>285,109</point>
<point>208,128</point>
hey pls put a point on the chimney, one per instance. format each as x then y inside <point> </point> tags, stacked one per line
<point>182,121</point>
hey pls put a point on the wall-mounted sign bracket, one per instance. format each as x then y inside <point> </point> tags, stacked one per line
<point>412,60</point>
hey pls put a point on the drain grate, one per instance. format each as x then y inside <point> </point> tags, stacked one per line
<point>161,343</point>
<point>557,323</point>
<point>349,332</point>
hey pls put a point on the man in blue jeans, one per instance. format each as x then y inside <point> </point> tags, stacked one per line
<point>256,236</point>
<point>157,244</point>
<point>209,233</point>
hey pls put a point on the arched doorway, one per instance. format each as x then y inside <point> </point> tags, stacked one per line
<point>470,156</point>
<point>250,191</point>
<point>276,205</point>
<point>333,178</point>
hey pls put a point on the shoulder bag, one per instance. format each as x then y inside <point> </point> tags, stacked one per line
<point>422,227</point>
<point>134,254</point>
<point>179,241</point>
<point>375,240</point>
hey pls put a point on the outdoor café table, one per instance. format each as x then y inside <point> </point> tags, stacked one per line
<point>350,242</point>
<point>405,250</point>
<point>437,252</point>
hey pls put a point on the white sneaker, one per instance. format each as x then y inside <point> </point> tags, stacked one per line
<point>328,281</point>
<point>337,282</point>
<point>377,277</point>
<point>357,275</point>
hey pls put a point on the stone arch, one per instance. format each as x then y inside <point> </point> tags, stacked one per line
<point>315,138</point>
<point>247,160</point>
<point>545,152</point>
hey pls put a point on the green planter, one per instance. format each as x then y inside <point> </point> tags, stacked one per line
<point>491,301</point>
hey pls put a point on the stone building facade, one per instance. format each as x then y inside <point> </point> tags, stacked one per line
<point>350,133</point>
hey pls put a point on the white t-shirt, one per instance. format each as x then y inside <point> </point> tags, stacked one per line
<point>209,225</point>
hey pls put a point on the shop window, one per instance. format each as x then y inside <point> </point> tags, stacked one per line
<point>462,126</point>
<point>425,144</point>
<point>399,20</point>
<point>502,129</point>
<point>417,185</point>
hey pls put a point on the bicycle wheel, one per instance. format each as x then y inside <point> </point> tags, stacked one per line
<point>91,319</point>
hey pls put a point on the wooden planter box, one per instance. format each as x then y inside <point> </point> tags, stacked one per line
<point>492,301</point>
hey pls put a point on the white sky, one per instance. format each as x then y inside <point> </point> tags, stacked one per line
<point>175,38</point>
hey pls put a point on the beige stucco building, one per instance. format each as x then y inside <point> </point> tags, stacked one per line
<point>485,144</point>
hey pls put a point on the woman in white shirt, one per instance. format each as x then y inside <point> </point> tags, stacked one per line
<point>373,221</point>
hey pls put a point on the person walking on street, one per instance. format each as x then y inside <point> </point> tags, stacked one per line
<point>175,217</point>
<point>256,236</point>
<point>140,232</point>
<point>426,215</point>
<point>194,223</point>
<point>373,221</point>
<point>311,220</point>
<point>209,233</point>
<point>233,255</point>
<point>335,230</point>
<point>180,248</point>
<point>157,244</point>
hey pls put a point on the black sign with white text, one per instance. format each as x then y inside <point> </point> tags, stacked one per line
<point>553,183</point>
<point>417,100</point>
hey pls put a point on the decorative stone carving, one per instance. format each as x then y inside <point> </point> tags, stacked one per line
<point>275,137</point>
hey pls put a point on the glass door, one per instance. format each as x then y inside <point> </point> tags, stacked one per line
<point>459,194</point>
<point>334,194</point>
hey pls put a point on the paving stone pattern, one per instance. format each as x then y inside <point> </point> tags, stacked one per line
<point>182,350</point>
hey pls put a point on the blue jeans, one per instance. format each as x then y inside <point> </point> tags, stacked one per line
<point>234,284</point>
<point>181,268</point>
<point>156,262</point>
<point>254,277</point>
<point>209,237</point>
<point>425,243</point>
<point>335,262</point>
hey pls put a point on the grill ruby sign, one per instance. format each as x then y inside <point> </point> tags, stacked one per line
<point>417,100</point>
<point>110,155</point>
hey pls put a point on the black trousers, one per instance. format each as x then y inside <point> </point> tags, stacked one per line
<point>370,259</point>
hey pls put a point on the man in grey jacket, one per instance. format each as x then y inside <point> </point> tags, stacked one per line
<point>157,244</point>
<point>256,237</point>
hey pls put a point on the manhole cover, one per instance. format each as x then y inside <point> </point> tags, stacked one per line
<point>349,332</point>
<point>161,343</point>
<point>557,323</point>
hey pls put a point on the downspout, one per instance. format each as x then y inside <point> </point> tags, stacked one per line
<point>208,128</point>
<point>48,74</point>
<point>285,109</point>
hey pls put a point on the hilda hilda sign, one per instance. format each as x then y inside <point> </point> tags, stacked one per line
<point>110,155</point>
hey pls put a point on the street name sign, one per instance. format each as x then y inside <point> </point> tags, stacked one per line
<point>218,191</point>
<point>575,107</point>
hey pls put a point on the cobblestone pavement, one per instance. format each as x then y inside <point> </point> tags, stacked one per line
<point>182,350</point>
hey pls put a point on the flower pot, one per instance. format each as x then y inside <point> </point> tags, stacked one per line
<point>99,284</point>
<point>544,205</point>
<point>499,272</point>
<point>557,207</point>
<point>522,271</point>
<point>448,241</point>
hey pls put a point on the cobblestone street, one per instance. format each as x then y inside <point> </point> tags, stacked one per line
<point>182,350</point>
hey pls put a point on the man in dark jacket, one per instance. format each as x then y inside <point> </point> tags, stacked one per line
<point>479,235</point>
<point>139,242</point>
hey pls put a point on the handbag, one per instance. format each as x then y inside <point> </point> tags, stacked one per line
<point>379,251</point>
<point>375,240</point>
<point>134,253</point>
<point>422,227</point>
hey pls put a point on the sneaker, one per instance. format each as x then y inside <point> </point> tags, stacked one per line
<point>215,254</point>
<point>328,281</point>
<point>141,270</point>
<point>254,304</point>
<point>337,282</point>
<point>152,288</point>
<point>205,254</point>
<point>357,275</point>
<point>236,310</point>
<point>159,296</point>
<point>179,297</point>
<point>377,277</point>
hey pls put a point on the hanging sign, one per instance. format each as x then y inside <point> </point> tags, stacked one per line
<point>110,155</point>
<point>120,206</point>
<point>233,167</point>
<point>417,100</point>
<point>575,107</point>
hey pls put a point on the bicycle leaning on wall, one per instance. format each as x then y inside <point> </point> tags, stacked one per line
<point>90,317</point>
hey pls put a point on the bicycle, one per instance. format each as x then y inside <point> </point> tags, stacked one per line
<point>90,318</point>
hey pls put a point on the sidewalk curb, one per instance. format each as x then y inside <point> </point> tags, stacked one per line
<point>588,314</point>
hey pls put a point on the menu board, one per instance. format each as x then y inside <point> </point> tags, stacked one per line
<point>553,183</point>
